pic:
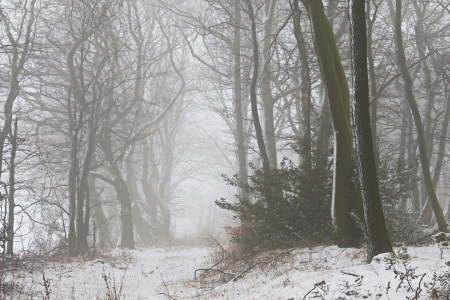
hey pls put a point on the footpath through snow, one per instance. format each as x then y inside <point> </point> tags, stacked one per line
<point>318,273</point>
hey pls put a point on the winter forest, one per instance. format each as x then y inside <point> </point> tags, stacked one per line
<point>226,148</point>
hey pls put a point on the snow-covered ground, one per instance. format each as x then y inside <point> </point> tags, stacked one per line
<point>168,273</point>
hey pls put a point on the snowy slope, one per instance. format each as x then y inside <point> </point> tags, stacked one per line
<point>168,273</point>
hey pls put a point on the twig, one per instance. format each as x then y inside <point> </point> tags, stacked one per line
<point>165,285</point>
<point>168,296</point>
<point>213,268</point>
<point>418,290</point>
<point>260,263</point>
<point>217,270</point>
<point>315,286</point>
<point>403,278</point>
<point>350,274</point>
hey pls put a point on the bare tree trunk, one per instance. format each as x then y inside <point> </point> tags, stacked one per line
<point>376,233</point>
<point>427,209</point>
<point>99,215</point>
<point>143,230</point>
<point>253,96</point>
<point>305,88</point>
<point>266,91</point>
<point>238,107</point>
<point>373,80</point>
<point>344,202</point>
<point>126,215</point>
<point>12,191</point>
<point>401,60</point>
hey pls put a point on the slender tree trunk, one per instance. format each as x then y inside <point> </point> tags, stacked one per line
<point>373,81</point>
<point>266,91</point>
<point>12,191</point>
<point>305,87</point>
<point>241,153</point>
<point>73,174</point>
<point>149,194</point>
<point>376,233</point>
<point>427,209</point>
<point>253,96</point>
<point>401,60</point>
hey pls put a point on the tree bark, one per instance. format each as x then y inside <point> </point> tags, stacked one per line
<point>305,87</point>
<point>253,96</point>
<point>376,233</point>
<point>241,152</point>
<point>344,203</point>
<point>12,191</point>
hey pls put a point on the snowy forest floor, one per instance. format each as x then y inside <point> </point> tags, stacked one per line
<point>168,273</point>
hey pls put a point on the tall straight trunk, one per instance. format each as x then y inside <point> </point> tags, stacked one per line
<point>324,132</point>
<point>266,83</point>
<point>12,191</point>
<point>253,96</point>
<point>401,60</point>
<point>146,184</point>
<point>83,209</point>
<point>305,87</point>
<point>403,133</point>
<point>373,81</point>
<point>344,203</point>
<point>73,175</point>
<point>376,233</point>
<point>420,36</point>
<point>412,157</point>
<point>427,209</point>
<point>241,152</point>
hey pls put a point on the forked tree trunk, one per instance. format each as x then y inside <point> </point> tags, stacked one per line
<point>344,203</point>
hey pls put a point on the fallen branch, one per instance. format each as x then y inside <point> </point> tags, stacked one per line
<point>350,274</point>
<point>315,286</point>
<point>261,262</point>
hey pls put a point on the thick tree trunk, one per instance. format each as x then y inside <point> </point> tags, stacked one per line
<point>376,233</point>
<point>126,215</point>
<point>343,202</point>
